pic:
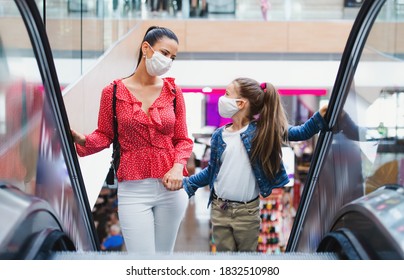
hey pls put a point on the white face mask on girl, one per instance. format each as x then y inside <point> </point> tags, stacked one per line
<point>227,106</point>
<point>158,64</point>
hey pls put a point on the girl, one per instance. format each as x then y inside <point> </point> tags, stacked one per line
<point>155,146</point>
<point>246,160</point>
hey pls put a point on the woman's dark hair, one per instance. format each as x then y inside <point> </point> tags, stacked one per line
<point>272,124</point>
<point>154,34</point>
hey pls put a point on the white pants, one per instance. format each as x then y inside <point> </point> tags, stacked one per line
<point>150,215</point>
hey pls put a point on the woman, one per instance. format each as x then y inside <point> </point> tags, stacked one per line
<point>154,143</point>
<point>246,160</point>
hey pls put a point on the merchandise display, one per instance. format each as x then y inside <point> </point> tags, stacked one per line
<point>277,215</point>
<point>271,215</point>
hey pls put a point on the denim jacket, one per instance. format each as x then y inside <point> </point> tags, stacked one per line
<point>208,175</point>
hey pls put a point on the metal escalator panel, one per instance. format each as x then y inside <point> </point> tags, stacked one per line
<point>30,228</point>
<point>343,243</point>
<point>377,222</point>
<point>36,153</point>
<point>364,149</point>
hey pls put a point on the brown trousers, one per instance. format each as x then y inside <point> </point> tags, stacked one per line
<point>236,227</point>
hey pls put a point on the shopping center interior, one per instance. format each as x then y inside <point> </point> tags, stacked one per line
<point>297,45</point>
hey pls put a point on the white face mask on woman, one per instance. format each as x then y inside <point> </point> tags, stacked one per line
<point>158,64</point>
<point>227,106</point>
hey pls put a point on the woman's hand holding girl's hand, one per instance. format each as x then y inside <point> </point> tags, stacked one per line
<point>172,180</point>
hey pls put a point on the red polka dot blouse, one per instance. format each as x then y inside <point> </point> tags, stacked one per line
<point>150,145</point>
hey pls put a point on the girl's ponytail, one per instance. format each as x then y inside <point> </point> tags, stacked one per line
<point>271,131</point>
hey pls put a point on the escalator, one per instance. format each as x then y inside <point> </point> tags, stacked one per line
<point>43,195</point>
<point>362,153</point>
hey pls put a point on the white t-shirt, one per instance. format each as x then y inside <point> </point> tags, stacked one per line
<point>236,180</point>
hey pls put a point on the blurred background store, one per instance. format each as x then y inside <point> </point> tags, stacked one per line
<point>295,44</point>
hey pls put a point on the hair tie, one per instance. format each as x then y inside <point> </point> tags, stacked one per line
<point>264,87</point>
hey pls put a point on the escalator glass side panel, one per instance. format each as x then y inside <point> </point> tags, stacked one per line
<point>32,146</point>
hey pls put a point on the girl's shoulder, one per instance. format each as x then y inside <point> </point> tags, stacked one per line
<point>218,131</point>
<point>252,125</point>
